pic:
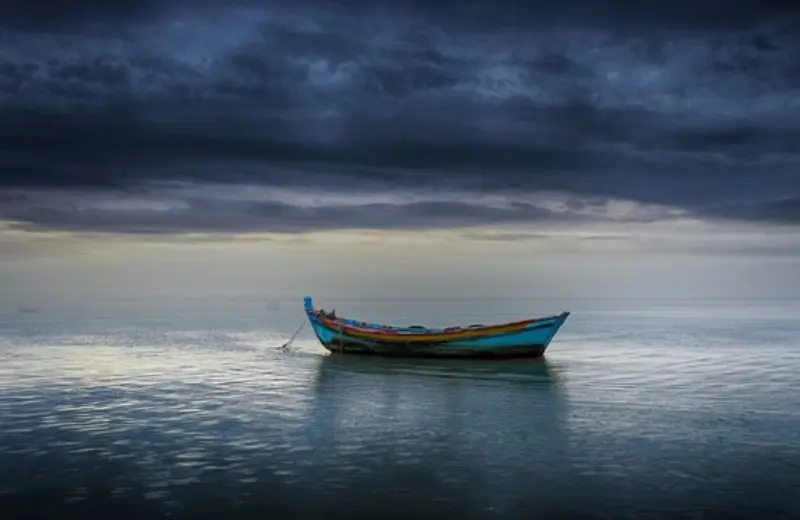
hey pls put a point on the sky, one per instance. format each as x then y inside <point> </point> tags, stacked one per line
<point>579,147</point>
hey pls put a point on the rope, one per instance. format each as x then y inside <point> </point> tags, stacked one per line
<point>285,346</point>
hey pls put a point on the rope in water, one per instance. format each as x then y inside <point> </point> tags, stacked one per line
<point>286,345</point>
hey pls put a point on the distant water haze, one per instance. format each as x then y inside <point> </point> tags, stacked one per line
<point>402,268</point>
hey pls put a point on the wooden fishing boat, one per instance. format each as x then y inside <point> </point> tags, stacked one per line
<point>526,338</point>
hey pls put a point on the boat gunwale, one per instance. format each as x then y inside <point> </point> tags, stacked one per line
<point>402,336</point>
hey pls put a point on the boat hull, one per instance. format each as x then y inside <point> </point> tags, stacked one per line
<point>527,351</point>
<point>527,339</point>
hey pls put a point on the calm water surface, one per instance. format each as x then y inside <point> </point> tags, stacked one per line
<point>641,409</point>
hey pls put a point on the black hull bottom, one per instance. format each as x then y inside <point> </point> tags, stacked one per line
<point>530,351</point>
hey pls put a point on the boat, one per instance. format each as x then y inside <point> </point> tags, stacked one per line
<point>526,338</point>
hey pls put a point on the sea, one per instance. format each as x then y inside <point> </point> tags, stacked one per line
<point>186,408</point>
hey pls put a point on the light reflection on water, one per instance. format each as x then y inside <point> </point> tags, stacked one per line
<point>629,414</point>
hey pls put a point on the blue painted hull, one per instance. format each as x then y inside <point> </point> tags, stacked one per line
<point>521,339</point>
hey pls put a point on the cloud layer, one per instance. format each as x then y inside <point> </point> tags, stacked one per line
<point>179,116</point>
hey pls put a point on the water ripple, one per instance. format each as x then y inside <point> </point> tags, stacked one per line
<point>634,411</point>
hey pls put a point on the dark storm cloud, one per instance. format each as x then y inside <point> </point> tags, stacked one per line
<point>51,13</point>
<point>667,105</point>
<point>604,13</point>
<point>214,216</point>
<point>773,211</point>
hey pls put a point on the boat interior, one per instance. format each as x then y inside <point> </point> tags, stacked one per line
<point>332,318</point>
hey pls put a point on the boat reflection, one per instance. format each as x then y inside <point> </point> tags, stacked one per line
<point>538,371</point>
<point>427,426</point>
